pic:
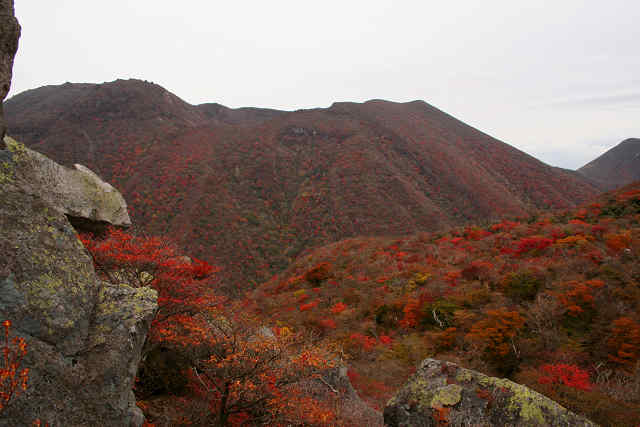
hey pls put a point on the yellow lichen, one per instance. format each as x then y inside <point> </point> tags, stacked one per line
<point>447,396</point>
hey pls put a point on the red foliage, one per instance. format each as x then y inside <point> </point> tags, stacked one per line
<point>411,313</point>
<point>496,332</point>
<point>308,306</point>
<point>569,375</point>
<point>338,308</point>
<point>579,295</point>
<point>13,378</point>
<point>318,274</point>
<point>527,244</point>
<point>624,343</point>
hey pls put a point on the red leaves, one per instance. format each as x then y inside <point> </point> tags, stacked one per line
<point>318,274</point>
<point>624,344</point>
<point>411,313</point>
<point>568,375</point>
<point>527,244</point>
<point>13,380</point>
<point>309,306</point>
<point>579,295</point>
<point>338,308</point>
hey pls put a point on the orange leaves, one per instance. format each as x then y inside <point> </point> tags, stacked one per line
<point>411,313</point>
<point>618,241</point>
<point>624,344</point>
<point>579,295</point>
<point>496,332</point>
<point>13,380</point>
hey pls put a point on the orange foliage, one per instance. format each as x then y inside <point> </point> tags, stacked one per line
<point>624,343</point>
<point>496,332</point>
<point>618,241</point>
<point>579,295</point>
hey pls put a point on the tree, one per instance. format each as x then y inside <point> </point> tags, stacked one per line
<point>240,370</point>
<point>253,375</point>
<point>495,334</point>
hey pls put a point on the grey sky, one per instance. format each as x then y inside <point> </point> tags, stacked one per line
<point>558,79</point>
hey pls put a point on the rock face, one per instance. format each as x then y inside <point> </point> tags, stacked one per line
<point>84,335</point>
<point>79,193</point>
<point>9,35</point>
<point>444,392</point>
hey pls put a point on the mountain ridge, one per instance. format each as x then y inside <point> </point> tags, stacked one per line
<point>617,167</point>
<point>249,188</point>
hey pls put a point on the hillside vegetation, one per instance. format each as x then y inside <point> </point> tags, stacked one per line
<point>551,301</point>
<point>249,189</point>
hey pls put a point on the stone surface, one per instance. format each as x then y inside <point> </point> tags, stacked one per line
<point>84,335</point>
<point>78,193</point>
<point>463,397</point>
<point>9,35</point>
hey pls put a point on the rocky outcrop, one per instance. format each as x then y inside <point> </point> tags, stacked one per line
<point>334,384</point>
<point>9,35</point>
<point>84,335</point>
<point>79,193</point>
<point>443,393</point>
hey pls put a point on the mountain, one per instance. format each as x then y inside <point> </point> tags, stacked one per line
<point>249,189</point>
<point>617,167</point>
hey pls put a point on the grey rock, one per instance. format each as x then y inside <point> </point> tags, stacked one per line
<point>469,398</point>
<point>84,336</point>
<point>78,193</point>
<point>9,35</point>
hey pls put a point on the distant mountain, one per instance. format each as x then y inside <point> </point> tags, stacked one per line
<point>249,188</point>
<point>617,167</point>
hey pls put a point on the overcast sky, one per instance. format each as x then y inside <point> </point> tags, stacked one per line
<point>558,79</point>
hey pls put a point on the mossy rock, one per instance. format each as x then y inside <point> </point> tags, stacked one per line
<point>467,397</point>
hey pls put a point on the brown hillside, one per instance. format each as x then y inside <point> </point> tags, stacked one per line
<point>250,188</point>
<point>617,167</point>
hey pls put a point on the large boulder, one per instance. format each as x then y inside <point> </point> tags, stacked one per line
<point>84,335</point>
<point>79,193</point>
<point>9,35</point>
<point>443,393</point>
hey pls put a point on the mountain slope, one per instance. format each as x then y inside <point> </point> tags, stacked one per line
<point>516,299</point>
<point>617,167</point>
<point>249,189</point>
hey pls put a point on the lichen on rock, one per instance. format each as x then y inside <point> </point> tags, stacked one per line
<point>78,193</point>
<point>438,384</point>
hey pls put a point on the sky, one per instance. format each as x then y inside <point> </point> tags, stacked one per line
<point>558,79</point>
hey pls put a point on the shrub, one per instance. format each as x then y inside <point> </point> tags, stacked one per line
<point>522,286</point>
<point>318,274</point>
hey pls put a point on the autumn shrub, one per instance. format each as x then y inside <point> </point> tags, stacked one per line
<point>588,401</point>
<point>388,316</point>
<point>577,297</point>
<point>439,314</point>
<point>522,286</point>
<point>624,343</point>
<point>495,335</point>
<point>318,273</point>
<point>568,375</point>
